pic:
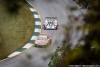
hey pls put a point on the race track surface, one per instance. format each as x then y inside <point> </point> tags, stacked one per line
<point>41,56</point>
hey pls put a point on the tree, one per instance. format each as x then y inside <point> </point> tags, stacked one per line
<point>13,6</point>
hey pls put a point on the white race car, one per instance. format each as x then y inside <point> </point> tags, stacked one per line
<point>50,24</point>
<point>42,41</point>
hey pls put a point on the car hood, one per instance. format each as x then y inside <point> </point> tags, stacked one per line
<point>41,42</point>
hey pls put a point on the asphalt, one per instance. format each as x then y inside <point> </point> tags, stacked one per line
<point>41,56</point>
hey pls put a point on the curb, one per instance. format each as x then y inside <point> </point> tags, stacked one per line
<point>36,33</point>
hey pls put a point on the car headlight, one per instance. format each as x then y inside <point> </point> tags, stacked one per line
<point>36,42</point>
<point>46,42</point>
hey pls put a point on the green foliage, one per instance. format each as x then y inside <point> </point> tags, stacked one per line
<point>55,58</point>
<point>13,6</point>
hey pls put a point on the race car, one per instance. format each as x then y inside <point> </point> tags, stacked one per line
<point>42,41</point>
<point>50,24</point>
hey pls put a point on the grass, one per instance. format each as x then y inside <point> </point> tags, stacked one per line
<point>15,30</point>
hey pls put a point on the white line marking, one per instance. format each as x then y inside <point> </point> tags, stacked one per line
<point>33,37</point>
<point>36,16</point>
<point>28,45</point>
<point>37,30</point>
<point>14,54</point>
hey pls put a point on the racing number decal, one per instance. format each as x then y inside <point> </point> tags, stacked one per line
<point>50,23</point>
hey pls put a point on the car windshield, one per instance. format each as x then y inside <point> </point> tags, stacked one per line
<point>42,38</point>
